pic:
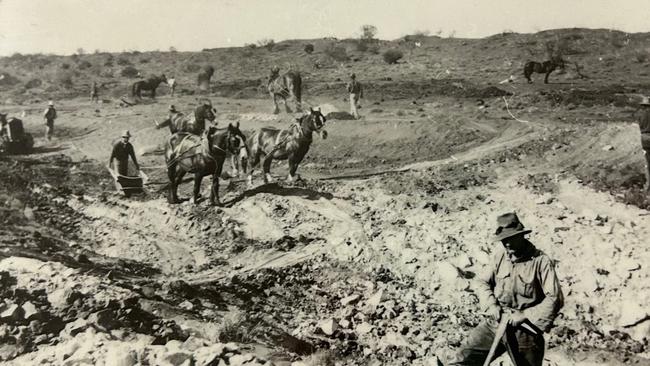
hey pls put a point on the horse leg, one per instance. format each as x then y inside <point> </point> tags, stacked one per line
<point>179,179</point>
<point>171,194</point>
<point>153,93</point>
<point>256,161</point>
<point>294,161</point>
<point>214,191</point>
<point>234,165</point>
<point>197,186</point>
<point>286,105</point>
<point>276,110</point>
<point>266,167</point>
<point>546,77</point>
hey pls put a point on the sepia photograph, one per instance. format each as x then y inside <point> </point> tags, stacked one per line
<point>324,183</point>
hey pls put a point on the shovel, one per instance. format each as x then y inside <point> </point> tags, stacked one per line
<point>500,332</point>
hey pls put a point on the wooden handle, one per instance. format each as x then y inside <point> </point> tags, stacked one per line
<point>501,330</point>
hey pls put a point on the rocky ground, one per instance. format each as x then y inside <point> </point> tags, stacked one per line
<point>368,260</point>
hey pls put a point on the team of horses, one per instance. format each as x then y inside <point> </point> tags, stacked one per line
<point>202,151</point>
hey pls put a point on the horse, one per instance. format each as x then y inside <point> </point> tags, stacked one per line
<point>195,124</point>
<point>200,155</point>
<point>546,67</point>
<point>148,84</point>
<point>288,85</point>
<point>292,144</point>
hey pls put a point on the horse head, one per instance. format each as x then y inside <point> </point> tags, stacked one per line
<point>235,138</point>
<point>163,79</point>
<point>559,62</point>
<point>206,111</point>
<point>314,122</point>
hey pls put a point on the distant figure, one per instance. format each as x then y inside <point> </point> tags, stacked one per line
<point>356,93</point>
<point>285,86</point>
<point>172,85</point>
<point>94,92</point>
<point>644,127</point>
<point>49,115</point>
<point>121,152</point>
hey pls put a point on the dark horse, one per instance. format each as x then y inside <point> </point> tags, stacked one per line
<point>546,67</point>
<point>200,155</point>
<point>269,143</point>
<point>148,84</point>
<point>286,86</point>
<point>179,122</point>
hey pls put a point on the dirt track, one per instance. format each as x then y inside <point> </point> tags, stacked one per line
<point>395,210</point>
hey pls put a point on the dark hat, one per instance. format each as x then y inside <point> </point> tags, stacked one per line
<point>172,108</point>
<point>353,76</point>
<point>508,225</point>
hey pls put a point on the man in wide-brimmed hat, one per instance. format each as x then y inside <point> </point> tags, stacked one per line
<point>644,126</point>
<point>122,150</point>
<point>519,287</point>
<point>356,93</point>
<point>49,115</point>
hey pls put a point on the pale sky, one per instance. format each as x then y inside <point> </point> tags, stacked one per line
<point>63,26</point>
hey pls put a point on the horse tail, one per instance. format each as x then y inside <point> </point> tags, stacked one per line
<point>134,88</point>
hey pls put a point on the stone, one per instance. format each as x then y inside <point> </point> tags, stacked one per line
<point>394,339</point>
<point>120,356</point>
<point>177,358</point>
<point>11,311</point>
<point>447,271</point>
<point>345,324</point>
<point>350,299</point>
<point>186,305</point>
<point>29,310</point>
<point>632,313</point>
<point>328,326</point>
<point>608,148</point>
<point>209,355</point>
<point>376,298</point>
<point>364,328</point>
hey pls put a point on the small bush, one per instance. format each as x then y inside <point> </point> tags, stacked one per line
<point>83,65</point>
<point>64,79</point>
<point>192,67</point>
<point>309,48</point>
<point>129,72</point>
<point>144,60</point>
<point>8,79</point>
<point>123,61</point>
<point>266,43</point>
<point>65,66</point>
<point>641,56</point>
<point>251,46</point>
<point>337,53</point>
<point>33,83</point>
<point>362,45</point>
<point>108,63</point>
<point>392,56</point>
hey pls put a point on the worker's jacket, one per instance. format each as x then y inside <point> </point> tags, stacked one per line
<point>644,126</point>
<point>354,87</point>
<point>50,114</point>
<point>528,283</point>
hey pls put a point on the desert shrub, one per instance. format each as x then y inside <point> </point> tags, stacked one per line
<point>337,53</point>
<point>33,83</point>
<point>108,63</point>
<point>236,327</point>
<point>368,32</point>
<point>392,56</point>
<point>266,43</point>
<point>251,46</point>
<point>7,79</point>
<point>641,56</point>
<point>65,66</point>
<point>129,72</point>
<point>123,61</point>
<point>83,65</point>
<point>361,45</point>
<point>144,60</point>
<point>64,79</point>
<point>309,48</point>
<point>192,67</point>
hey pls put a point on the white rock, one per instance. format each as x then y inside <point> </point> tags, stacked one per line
<point>345,324</point>
<point>186,305</point>
<point>328,326</point>
<point>394,339</point>
<point>446,271</point>
<point>120,356</point>
<point>608,148</point>
<point>29,309</point>
<point>350,299</point>
<point>363,328</point>
<point>376,298</point>
<point>631,313</point>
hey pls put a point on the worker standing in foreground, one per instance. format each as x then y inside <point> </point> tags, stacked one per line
<point>121,152</point>
<point>644,127</point>
<point>521,294</point>
<point>356,93</point>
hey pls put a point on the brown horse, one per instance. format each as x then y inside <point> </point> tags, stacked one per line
<point>546,67</point>
<point>286,86</point>
<point>200,155</point>
<point>148,84</point>
<point>292,144</point>
<point>195,124</point>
